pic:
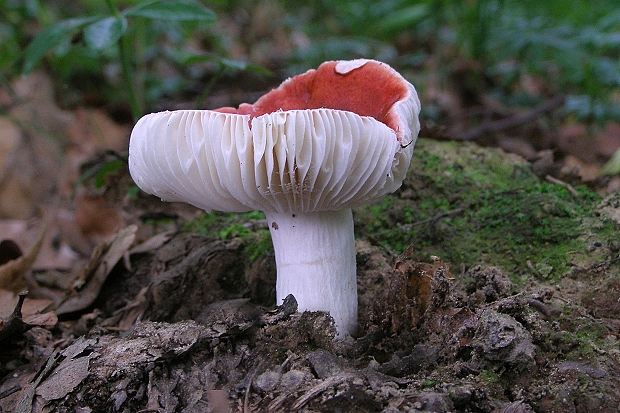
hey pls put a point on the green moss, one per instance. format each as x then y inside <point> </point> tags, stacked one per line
<point>468,205</point>
<point>226,226</point>
<point>428,384</point>
<point>488,377</point>
<point>575,345</point>
<point>476,205</point>
<point>259,245</point>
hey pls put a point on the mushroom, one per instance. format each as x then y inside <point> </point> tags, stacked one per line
<point>323,142</point>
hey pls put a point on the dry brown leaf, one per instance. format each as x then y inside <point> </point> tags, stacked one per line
<point>10,136</point>
<point>91,133</point>
<point>55,253</point>
<point>8,299</point>
<point>87,285</point>
<point>576,139</point>
<point>49,319</point>
<point>96,218</point>
<point>94,128</point>
<point>34,147</point>
<point>64,379</point>
<point>31,307</point>
<point>152,243</point>
<point>15,185</point>
<point>12,273</point>
<point>9,250</point>
<point>416,291</point>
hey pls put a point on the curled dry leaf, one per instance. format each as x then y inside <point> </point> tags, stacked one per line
<point>87,285</point>
<point>13,325</point>
<point>9,250</point>
<point>96,217</point>
<point>13,271</point>
<point>417,287</point>
<point>48,319</point>
<point>152,243</point>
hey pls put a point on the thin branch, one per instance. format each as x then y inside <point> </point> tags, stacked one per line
<point>406,227</point>
<point>566,185</point>
<point>511,122</point>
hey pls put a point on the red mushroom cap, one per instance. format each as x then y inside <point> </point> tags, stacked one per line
<point>365,87</point>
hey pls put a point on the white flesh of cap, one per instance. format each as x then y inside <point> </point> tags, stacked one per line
<point>289,161</point>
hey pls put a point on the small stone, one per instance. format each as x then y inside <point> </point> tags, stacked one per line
<point>267,381</point>
<point>502,338</point>
<point>325,364</point>
<point>293,379</point>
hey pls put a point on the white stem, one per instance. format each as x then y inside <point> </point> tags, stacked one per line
<point>315,258</point>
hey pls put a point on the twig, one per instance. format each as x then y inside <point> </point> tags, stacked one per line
<point>15,388</point>
<point>434,219</point>
<point>503,124</point>
<point>319,388</point>
<point>603,263</point>
<point>540,306</point>
<point>564,184</point>
<point>246,399</point>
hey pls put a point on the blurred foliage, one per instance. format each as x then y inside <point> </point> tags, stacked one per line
<point>572,46</point>
<point>111,31</point>
<point>120,52</point>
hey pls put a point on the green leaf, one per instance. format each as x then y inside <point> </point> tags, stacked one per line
<point>180,10</point>
<point>399,20</point>
<point>186,58</point>
<point>105,169</point>
<point>50,37</point>
<point>612,167</point>
<point>105,32</point>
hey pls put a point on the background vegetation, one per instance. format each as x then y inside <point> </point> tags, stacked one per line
<point>572,47</point>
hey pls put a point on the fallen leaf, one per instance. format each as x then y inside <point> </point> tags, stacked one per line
<point>64,379</point>
<point>97,218</point>
<point>12,273</point>
<point>152,243</point>
<point>55,253</point>
<point>9,250</point>
<point>10,136</point>
<point>29,311</point>
<point>49,319</point>
<point>13,326</point>
<point>87,285</point>
<point>35,159</point>
<point>68,369</point>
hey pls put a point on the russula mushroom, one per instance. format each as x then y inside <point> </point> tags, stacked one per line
<point>325,141</point>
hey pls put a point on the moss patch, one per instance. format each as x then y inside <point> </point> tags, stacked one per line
<point>472,205</point>
<point>249,227</point>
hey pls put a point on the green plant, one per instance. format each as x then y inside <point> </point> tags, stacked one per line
<point>120,29</point>
<point>342,29</point>
<point>100,174</point>
<point>14,17</point>
<point>580,62</point>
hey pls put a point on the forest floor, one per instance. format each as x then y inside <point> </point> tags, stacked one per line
<point>487,283</point>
